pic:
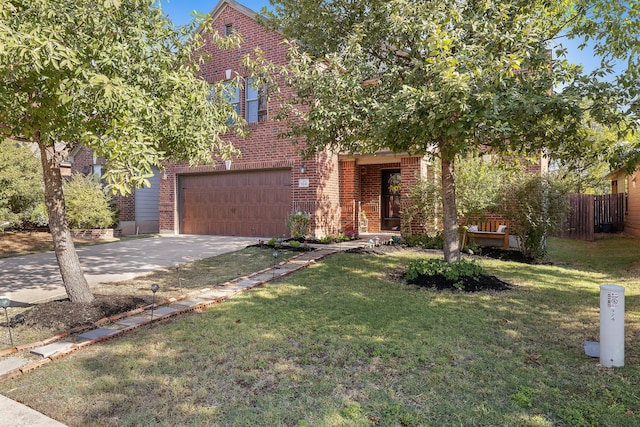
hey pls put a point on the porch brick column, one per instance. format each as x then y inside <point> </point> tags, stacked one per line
<point>349,194</point>
<point>410,174</point>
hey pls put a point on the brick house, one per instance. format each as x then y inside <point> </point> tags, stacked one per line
<point>255,193</point>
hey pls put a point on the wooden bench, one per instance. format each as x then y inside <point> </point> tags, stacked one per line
<point>491,229</point>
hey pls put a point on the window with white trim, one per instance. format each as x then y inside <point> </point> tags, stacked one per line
<point>231,94</point>
<point>256,102</point>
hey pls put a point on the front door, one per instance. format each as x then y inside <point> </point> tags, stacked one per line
<point>390,212</point>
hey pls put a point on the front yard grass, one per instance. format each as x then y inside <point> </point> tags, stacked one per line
<point>340,343</point>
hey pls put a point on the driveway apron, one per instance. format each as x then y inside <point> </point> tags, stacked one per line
<point>33,278</point>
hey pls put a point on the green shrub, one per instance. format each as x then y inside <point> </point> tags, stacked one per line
<point>327,239</point>
<point>298,224</point>
<point>88,206</point>
<point>21,184</point>
<point>295,244</point>
<point>455,272</point>
<point>424,240</point>
<point>536,206</point>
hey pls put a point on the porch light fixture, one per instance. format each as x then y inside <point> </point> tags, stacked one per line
<point>303,168</point>
<point>227,164</point>
<point>5,303</point>
<point>227,74</point>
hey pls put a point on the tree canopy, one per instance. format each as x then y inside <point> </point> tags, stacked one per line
<point>442,78</point>
<point>115,76</point>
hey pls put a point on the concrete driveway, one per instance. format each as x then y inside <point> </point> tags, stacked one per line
<point>33,278</point>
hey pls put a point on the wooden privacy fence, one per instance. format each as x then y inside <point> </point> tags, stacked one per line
<point>579,222</point>
<point>590,214</point>
<point>609,210</point>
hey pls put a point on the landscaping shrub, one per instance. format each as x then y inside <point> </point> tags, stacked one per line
<point>425,240</point>
<point>536,207</point>
<point>456,272</point>
<point>298,224</point>
<point>88,205</point>
<point>21,188</point>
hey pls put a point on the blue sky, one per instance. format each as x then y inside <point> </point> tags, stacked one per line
<point>180,10</point>
<point>180,13</point>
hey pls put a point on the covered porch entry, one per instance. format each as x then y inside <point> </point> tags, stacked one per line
<point>373,189</point>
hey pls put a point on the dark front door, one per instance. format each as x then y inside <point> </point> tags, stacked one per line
<point>391,199</point>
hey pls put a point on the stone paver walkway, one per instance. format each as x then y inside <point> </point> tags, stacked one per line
<point>12,364</point>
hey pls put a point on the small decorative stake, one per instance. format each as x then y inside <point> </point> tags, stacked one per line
<point>177,267</point>
<point>154,289</point>
<point>5,303</point>
<point>276,254</point>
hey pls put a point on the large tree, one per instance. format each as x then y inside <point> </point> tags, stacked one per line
<point>115,76</point>
<point>444,78</point>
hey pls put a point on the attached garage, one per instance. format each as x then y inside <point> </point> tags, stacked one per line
<point>243,203</point>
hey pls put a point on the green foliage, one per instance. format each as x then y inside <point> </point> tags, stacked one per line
<point>298,224</point>
<point>88,206</point>
<point>479,184</point>
<point>424,240</point>
<point>536,207</point>
<point>327,239</point>
<point>115,76</point>
<point>39,215</point>
<point>524,397</point>
<point>21,189</point>
<point>441,78</point>
<point>295,244</point>
<point>422,206</point>
<point>275,241</point>
<point>436,266</point>
<point>352,411</point>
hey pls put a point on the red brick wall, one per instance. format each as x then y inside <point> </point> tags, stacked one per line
<point>411,173</point>
<point>349,194</point>
<point>262,149</point>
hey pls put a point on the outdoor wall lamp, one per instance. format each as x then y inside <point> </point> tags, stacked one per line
<point>303,168</point>
<point>227,164</point>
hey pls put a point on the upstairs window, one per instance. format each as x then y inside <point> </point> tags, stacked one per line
<point>232,96</point>
<point>228,29</point>
<point>256,102</point>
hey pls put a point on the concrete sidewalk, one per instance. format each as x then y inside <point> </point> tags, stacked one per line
<point>33,278</point>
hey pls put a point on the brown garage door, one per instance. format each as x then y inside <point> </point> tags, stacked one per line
<point>254,203</point>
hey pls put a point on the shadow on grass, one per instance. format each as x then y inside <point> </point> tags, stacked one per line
<point>338,344</point>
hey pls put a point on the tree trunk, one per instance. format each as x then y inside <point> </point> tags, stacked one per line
<point>74,281</point>
<point>449,212</point>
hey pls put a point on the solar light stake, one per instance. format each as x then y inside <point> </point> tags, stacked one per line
<point>177,266</point>
<point>5,303</point>
<point>275,260</point>
<point>154,289</point>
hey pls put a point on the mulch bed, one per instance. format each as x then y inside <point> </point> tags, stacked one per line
<point>469,284</point>
<point>63,315</point>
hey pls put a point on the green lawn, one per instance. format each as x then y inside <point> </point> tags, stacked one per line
<point>340,343</point>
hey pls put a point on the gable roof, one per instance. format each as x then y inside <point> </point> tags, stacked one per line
<point>217,10</point>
